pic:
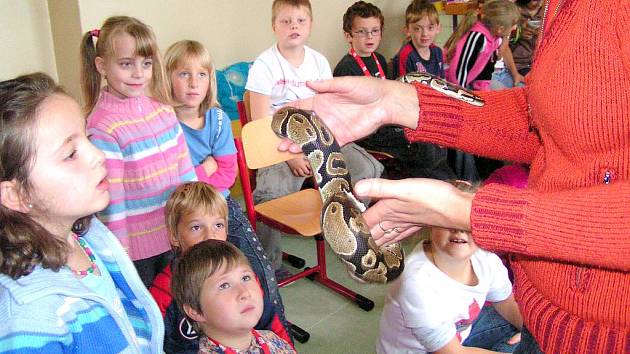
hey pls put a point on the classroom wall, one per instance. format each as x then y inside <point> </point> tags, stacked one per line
<point>233,30</point>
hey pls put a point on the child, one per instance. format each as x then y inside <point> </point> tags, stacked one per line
<point>279,76</point>
<point>527,34</point>
<point>363,27</point>
<point>471,51</point>
<point>62,288</point>
<point>438,302</point>
<point>196,212</point>
<point>217,289</point>
<point>146,155</point>
<point>422,25</point>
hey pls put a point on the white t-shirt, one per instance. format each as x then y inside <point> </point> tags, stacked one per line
<point>272,75</point>
<point>425,300</point>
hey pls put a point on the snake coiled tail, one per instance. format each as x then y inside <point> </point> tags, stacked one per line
<point>343,225</point>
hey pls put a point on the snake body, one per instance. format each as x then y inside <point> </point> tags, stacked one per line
<point>343,226</point>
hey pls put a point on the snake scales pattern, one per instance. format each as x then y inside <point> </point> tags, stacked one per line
<point>343,225</point>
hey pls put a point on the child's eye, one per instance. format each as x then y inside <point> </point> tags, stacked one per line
<point>203,75</point>
<point>224,286</point>
<point>219,225</point>
<point>285,22</point>
<point>183,74</point>
<point>125,64</point>
<point>147,63</point>
<point>247,277</point>
<point>195,228</point>
<point>71,156</point>
<point>301,20</point>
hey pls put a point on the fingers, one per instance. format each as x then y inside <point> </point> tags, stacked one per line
<point>288,145</point>
<point>515,339</point>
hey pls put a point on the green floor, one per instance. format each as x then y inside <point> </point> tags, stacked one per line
<point>336,324</point>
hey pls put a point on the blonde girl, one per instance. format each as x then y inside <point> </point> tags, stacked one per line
<point>63,288</point>
<point>471,51</point>
<point>191,74</point>
<point>146,155</point>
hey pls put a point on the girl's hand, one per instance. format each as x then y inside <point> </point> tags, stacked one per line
<point>299,167</point>
<point>354,107</point>
<point>410,204</point>
<point>515,339</point>
<point>518,78</point>
<point>209,165</point>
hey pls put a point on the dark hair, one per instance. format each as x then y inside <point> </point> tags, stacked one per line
<point>361,9</point>
<point>523,3</point>
<point>197,264</point>
<point>24,243</point>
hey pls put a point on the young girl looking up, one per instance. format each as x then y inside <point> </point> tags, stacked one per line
<point>62,288</point>
<point>471,51</point>
<point>208,133</point>
<point>145,152</point>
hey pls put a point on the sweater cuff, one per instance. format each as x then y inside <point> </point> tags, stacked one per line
<point>440,117</point>
<point>498,216</point>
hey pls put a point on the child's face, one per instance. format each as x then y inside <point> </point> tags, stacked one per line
<point>455,243</point>
<point>127,74</point>
<point>292,26</point>
<point>502,31</point>
<point>191,82</point>
<point>196,226</point>
<point>423,32</point>
<point>366,35</point>
<point>231,301</point>
<point>68,175</point>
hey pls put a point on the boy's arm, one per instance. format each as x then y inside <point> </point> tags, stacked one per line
<point>455,347</point>
<point>258,105</point>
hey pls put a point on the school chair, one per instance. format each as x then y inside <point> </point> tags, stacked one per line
<point>297,213</point>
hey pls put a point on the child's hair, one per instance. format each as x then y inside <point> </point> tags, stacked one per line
<point>420,8</point>
<point>185,51</point>
<point>277,4</point>
<point>493,13</point>
<point>197,264</point>
<point>146,46</point>
<point>191,196</point>
<point>361,9</point>
<point>24,243</point>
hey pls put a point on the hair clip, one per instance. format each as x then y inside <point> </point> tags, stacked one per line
<point>95,32</point>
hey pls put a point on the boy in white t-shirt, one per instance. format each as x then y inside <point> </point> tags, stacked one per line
<point>277,77</point>
<point>437,304</point>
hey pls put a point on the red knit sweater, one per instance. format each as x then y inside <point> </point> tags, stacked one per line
<point>570,230</point>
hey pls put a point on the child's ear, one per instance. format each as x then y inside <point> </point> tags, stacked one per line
<point>11,197</point>
<point>194,314</point>
<point>348,37</point>
<point>100,65</point>
<point>174,240</point>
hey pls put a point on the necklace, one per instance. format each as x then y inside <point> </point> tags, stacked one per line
<point>363,67</point>
<point>88,253</point>
<point>543,27</point>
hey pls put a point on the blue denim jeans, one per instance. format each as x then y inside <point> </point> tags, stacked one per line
<point>528,343</point>
<point>241,234</point>
<point>491,331</point>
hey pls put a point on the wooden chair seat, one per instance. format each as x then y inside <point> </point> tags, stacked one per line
<point>300,212</point>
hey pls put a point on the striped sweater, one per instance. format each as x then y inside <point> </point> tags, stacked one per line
<point>569,231</point>
<point>146,158</point>
<point>53,312</point>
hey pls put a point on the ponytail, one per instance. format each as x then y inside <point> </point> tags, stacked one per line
<point>464,26</point>
<point>90,77</point>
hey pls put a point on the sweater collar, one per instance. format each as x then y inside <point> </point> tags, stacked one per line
<point>41,283</point>
<point>112,103</point>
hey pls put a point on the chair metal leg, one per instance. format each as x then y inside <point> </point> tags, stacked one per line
<point>298,333</point>
<point>318,273</point>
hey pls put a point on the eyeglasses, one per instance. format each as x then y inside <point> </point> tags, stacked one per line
<point>364,33</point>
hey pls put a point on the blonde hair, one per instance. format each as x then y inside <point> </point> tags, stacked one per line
<point>420,8</point>
<point>146,46</point>
<point>192,196</point>
<point>197,264</point>
<point>493,14</point>
<point>186,51</point>
<point>277,4</point>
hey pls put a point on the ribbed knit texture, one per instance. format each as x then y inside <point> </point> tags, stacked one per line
<point>570,230</point>
<point>146,158</point>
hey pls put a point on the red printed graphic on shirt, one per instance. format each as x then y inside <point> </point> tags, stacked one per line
<point>464,324</point>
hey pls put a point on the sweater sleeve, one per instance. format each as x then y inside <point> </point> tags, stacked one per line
<point>184,161</point>
<point>115,215</point>
<point>585,225</point>
<point>500,129</point>
<point>225,175</point>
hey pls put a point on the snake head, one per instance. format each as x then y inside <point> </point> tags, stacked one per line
<point>295,124</point>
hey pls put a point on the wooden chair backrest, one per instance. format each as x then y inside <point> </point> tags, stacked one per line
<point>260,145</point>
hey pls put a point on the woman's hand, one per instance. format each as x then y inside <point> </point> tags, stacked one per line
<point>410,204</point>
<point>354,107</point>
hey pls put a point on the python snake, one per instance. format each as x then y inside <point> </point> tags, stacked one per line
<point>343,226</point>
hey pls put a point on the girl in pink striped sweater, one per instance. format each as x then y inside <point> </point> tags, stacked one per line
<point>146,155</point>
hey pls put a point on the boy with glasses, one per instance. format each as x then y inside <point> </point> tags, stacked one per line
<point>363,27</point>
